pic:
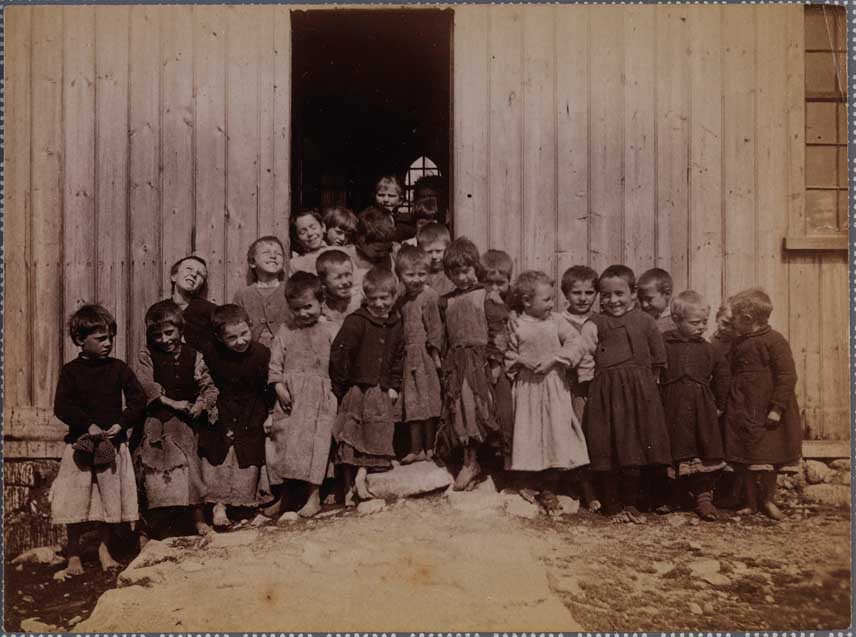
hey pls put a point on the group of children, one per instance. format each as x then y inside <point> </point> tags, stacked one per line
<point>235,405</point>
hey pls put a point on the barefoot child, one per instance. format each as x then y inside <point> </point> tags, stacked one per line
<point>474,323</point>
<point>694,389</point>
<point>366,367</point>
<point>625,427</point>
<point>434,239</point>
<point>179,391</point>
<point>264,300</point>
<point>763,434</point>
<point>548,437</point>
<point>341,297</point>
<point>423,336</point>
<point>341,224</point>
<point>96,481</point>
<point>307,237</point>
<point>233,450</point>
<point>302,425</point>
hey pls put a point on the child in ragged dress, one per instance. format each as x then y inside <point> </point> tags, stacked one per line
<point>434,239</point>
<point>95,483</point>
<point>624,423</point>
<point>233,450</point>
<point>181,399</point>
<point>366,368</point>
<point>694,389</point>
<point>548,437</point>
<point>264,300</point>
<point>307,237</point>
<point>341,224</point>
<point>474,328</point>
<point>423,340</point>
<point>302,425</point>
<point>341,297</point>
<point>763,434</point>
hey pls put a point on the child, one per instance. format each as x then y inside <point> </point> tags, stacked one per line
<point>341,224</point>
<point>366,367</point>
<point>263,300</point>
<point>434,239</point>
<point>233,450</point>
<point>429,191</point>
<point>179,390</point>
<point>624,422</point>
<point>423,334</point>
<point>302,426</point>
<point>307,235</point>
<point>497,268</point>
<point>188,277</point>
<point>474,322</point>
<point>341,297</point>
<point>762,424</point>
<point>388,194</point>
<point>655,294</point>
<point>547,436</point>
<point>694,389</point>
<point>95,482</point>
<point>374,245</point>
<point>422,215</point>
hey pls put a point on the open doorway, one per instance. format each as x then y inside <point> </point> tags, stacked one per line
<point>371,96</point>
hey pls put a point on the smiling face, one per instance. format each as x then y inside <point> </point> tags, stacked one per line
<point>336,237</point>
<point>268,259</point>
<point>309,233</point>
<point>237,336</point>
<point>338,280</point>
<point>693,323</point>
<point>616,297</point>
<point>540,304</point>
<point>98,344</point>
<point>189,277</point>
<point>581,297</point>
<point>388,196</point>
<point>379,302</point>
<point>306,308</point>
<point>165,337</point>
<point>652,300</point>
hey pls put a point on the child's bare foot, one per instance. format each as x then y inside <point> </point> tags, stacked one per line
<point>772,511</point>
<point>620,518</point>
<point>594,506</point>
<point>706,511</point>
<point>349,498</point>
<point>219,517</point>
<point>429,455</point>
<point>74,567</point>
<point>410,458</point>
<point>107,561</point>
<point>360,484</point>
<point>202,528</point>
<point>635,516</point>
<point>275,509</point>
<point>747,511</point>
<point>312,506</point>
<point>467,476</point>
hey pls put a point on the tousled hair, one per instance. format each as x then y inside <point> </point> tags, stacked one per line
<point>88,319</point>
<point>659,277</point>
<point>410,256</point>
<point>577,274</point>
<point>462,253</point>
<point>686,301</point>
<point>618,271</point>
<point>300,283</point>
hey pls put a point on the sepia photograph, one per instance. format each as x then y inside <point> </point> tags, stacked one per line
<point>426,318</point>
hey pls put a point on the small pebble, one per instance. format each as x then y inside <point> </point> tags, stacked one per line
<point>695,609</point>
<point>769,599</point>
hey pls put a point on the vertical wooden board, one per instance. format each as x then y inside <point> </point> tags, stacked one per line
<point>78,211</point>
<point>639,144</point>
<point>834,355</point>
<point>176,145</point>
<point>471,123</point>
<point>606,161</point>
<point>242,145</point>
<point>209,59</point>
<point>266,82</point>
<point>539,139</point>
<point>47,194</point>
<point>17,323</point>
<point>572,102</point>
<point>673,138</point>
<point>282,124</point>
<point>505,150</point>
<point>111,169</point>
<point>739,87</point>
<point>771,120</point>
<point>144,174</point>
<point>705,168</point>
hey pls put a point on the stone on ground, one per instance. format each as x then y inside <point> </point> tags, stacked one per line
<point>41,555</point>
<point>518,507</point>
<point>288,517</point>
<point>371,506</point>
<point>831,494</point>
<point>409,480</point>
<point>570,506</point>
<point>700,568</point>
<point>695,609</point>
<point>842,464</point>
<point>33,625</point>
<point>816,472</point>
<point>153,553</point>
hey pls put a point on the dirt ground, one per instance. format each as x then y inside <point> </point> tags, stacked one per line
<point>434,564</point>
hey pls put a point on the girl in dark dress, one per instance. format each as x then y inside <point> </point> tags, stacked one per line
<point>624,423</point>
<point>694,388</point>
<point>763,434</point>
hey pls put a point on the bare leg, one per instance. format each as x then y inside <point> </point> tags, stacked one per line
<point>470,471</point>
<point>74,566</point>
<point>750,489</point>
<point>313,504</point>
<point>348,477</point>
<point>429,431</point>
<point>360,484</point>
<point>768,481</point>
<point>104,556</point>
<point>220,518</point>
<point>276,509</point>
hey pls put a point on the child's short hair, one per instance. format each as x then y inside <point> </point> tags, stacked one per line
<point>525,287</point>
<point>300,283</point>
<point>577,274</point>
<point>251,253</point>
<point>659,277</point>
<point>497,261</point>
<point>753,302</point>
<point>173,270</point>
<point>618,272</point>
<point>292,223</point>
<point>686,301</point>
<point>375,226</point>
<point>330,258</point>
<point>462,253</point>
<point>88,319</point>
<point>723,309</point>
<point>342,218</point>
<point>163,313</point>
<point>380,279</point>
<point>229,314</point>
<point>409,257</point>
<point>389,180</point>
<point>433,232</point>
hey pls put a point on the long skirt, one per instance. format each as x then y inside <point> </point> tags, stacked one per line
<point>364,428</point>
<point>171,475</point>
<point>227,483</point>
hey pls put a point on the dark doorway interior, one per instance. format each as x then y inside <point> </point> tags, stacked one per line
<point>370,95</point>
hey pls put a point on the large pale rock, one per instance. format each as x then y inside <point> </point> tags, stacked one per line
<point>408,480</point>
<point>33,625</point>
<point>570,506</point>
<point>41,555</point>
<point>154,552</point>
<point>817,473</point>
<point>147,575</point>
<point>831,494</point>
<point>518,507</point>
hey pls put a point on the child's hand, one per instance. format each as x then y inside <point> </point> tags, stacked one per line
<point>393,395</point>
<point>283,396</point>
<point>267,424</point>
<point>774,418</point>
<point>545,365</point>
<point>95,430</point>
<point>196,410</point>
<point>183,406</point>
<point>113,431</point>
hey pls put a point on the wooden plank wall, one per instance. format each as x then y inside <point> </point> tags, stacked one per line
<point>135,135</point>
<point>668,135</point>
